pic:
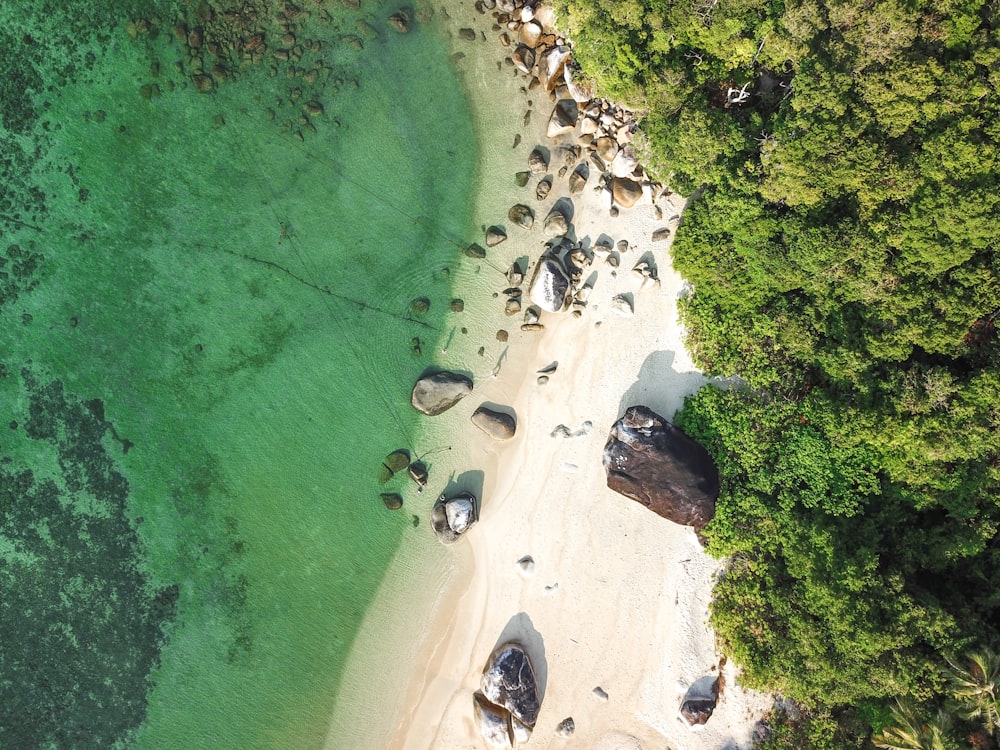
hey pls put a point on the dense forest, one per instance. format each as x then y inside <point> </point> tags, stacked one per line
<point>841,240</point>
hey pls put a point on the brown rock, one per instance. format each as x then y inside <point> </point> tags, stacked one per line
<point>652,462</point>
<point>626,192</point>
<point>496,424</point>
<point>521,215</point>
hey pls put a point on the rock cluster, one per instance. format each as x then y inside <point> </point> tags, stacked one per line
<point>507,704</point>
<point>652,462</point>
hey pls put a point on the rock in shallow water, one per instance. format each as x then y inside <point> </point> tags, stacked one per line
<point>436,393</point>
<point>652,462</point>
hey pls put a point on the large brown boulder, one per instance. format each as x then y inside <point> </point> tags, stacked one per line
<point>652,462</point>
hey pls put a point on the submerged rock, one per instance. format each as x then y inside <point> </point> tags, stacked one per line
<point>652,462</point>
<point>392,500</point>
<point>438,392</point>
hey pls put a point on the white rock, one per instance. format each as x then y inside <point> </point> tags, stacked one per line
<point>622,305</point>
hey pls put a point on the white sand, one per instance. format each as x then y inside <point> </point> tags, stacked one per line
<point>618,597</point>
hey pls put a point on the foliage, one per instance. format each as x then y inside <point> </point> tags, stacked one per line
<point>843,251</point>
<point>973,683</point>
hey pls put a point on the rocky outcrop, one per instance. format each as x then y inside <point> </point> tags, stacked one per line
<point>436,393</point>
<point>453,516</point>
<point>563,118</point>
<point>508,691</point>
<point>550,286</point>
<point>652,462</point>
<point>497,424</point>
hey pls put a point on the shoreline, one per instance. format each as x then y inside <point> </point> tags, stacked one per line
<point>618,598</point>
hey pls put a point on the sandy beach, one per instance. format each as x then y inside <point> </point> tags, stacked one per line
<point>613,606</point>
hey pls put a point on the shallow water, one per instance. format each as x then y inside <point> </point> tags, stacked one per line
<point>217,312</point>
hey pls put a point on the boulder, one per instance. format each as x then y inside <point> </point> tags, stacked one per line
<point>563,118</point>
<point>551,64</point>
<point>661,235</point>
<point>523,58</point>
<point>700,701</point>
<point>550,286</point>
<point>566,727</point>
<point>626,192</point>
<point>493,722</point>
<point>515,274</point>
<point>577,180</point>
<point>537,161</point>
<point>581,90</point>
<point>497,424</point>
<point>392,500</point>
<point>509,682</point>
<point>621,305</point>
<point>438,392</point>
<point>543,188</point>
<point>453,516</point>
<point>607,148</point>
<point>556,224</point>
<point>521,215</point>
<point>651,461</point>
<point>475,250</point>
<point>494,236</point>
<point>530,33</point>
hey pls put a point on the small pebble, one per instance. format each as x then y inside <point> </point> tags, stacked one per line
<point>566,727</point>
<point>542,379</point>
<point>526,565</point>
<point>600,693</point>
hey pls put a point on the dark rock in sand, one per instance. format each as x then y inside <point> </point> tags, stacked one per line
<point>392,500</point>
<point>542,188</point>
<point>467,34</point>
<point>494,236</point>
<point>661,235</point>
<point>563,118</point>
<point>521,178</point>
<point>502,336</point>
<point>438,392</point>
<point>521,215</point>
<point>496,424</point>
<point>475,251</point>
<point>566,727</point>
<point>652,462</point>
<point>699,703</point>
<point>457,305</point>
<point>577,180</point>
<point>453,516</point>
<point>556,224</point>
<point>523,58</point>
<point>509,681</point>
<point>515,274</point>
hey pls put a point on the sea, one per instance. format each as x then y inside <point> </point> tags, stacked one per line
<point>230,232</point>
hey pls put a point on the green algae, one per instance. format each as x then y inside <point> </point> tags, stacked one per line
<point>229,276</point>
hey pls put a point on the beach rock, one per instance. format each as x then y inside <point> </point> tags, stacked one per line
<point>624,164</point>
<point>622,305</point>
<point>497,424</point>
<point>700,701</point>
<point>512,306</point>
<point>563,118</point>
<point>556,224</point>
<point>476,251</point>
<point>502,336</point>
<point>566,727</point>
<point>509,681</point>
<point>467,34</point>
<point>494,236</point>
<point>453,516</point>
<point>457,305</point>
<point>530,33</point>
<point>521,178</point>
<point>551,64</point>
<point>550,286</point>
<point>626,192</point>
<point>542,188</point>
<point>581,90</point>
<point>661,235</point>
<point>651,461</point>
<point>438,392</point>
<point>532,327</point>
<point>493,722</point>
<point>538,162</point>
<point>577,180</point>
<point>419,306</point>
<point>600,693</point>
<point>515,274</point>
<point>522,216</point>
<point>607,148</point>
<point>588,126</point>
<point>523,58</point>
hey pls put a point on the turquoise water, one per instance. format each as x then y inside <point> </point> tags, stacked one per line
<point>207,348</point>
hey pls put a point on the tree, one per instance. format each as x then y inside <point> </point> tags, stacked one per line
<point>973,681</point>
